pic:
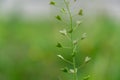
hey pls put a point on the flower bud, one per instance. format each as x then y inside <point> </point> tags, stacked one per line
<point>83,36</point>
<point>78,22</point>
<point>75,42</point>
<point>87,59</point>
<point>73,71</point>
<point>63,32</point>
<point>61,57</point>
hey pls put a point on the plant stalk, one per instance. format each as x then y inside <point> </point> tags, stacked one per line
<point>71,26</point>
<point>74,65</point>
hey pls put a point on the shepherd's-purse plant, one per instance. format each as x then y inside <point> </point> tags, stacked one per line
<point>69,34</point>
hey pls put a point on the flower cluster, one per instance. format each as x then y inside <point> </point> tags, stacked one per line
<point>68,33</point>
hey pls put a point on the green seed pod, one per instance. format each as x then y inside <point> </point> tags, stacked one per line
<point>58,18</point>
<point>59,45</point>
<point>70,31</point>
<point>63,10</point>
<point>80,12</point>
<point>52,3</point>
<point>65,70</point>
<point>73,54</point>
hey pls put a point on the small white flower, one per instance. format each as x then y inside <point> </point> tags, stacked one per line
<point>73,71</point>
<point>78,22</point>
<point>75,42</point>
<point>63,32</point>
<point>83,36</point>
<point>87,59</point>
<point>61,57</point>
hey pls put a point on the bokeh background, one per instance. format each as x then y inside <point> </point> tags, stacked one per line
<point>29,33</point>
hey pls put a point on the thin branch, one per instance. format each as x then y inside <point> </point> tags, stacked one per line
<point>67,61</point>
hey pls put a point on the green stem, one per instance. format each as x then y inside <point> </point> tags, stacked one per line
<point>74,65</point>
<point>67,61</point>
<point>69,12</point>
<point>71,26</point>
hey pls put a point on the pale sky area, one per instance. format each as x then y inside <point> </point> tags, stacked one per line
<point>41,7</point>
<point>27,7</point>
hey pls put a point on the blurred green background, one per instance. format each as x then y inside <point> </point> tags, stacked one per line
<point>28,40</point>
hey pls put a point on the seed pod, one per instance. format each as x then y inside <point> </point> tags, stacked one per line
<point>59,45</point>
<point>65,70</point>
<point>70,31</point>
<point>63,10</point>
<point>58,18</point>
<point>52,3</point>
<point>73,54</point>
<point>80,12</point>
